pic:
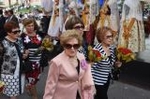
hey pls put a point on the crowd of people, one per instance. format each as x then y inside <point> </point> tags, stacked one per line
<point>72,27</point>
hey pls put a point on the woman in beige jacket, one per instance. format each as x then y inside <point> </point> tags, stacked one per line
<point>69,75</point>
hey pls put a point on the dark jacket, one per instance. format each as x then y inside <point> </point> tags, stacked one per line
<point>10,53</point>
<point>2,31</point>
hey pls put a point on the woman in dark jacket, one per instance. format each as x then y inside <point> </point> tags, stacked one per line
<point>11,58</point>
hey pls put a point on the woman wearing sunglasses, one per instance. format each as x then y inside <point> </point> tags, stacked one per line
<point>101,70</point>
<point>10,61</point>
<point>69,75</point>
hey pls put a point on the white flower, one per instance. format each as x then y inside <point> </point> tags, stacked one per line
<point>27,40</point>
<point>38,37</point>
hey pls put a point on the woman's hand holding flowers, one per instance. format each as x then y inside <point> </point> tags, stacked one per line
<point>125,55</point>
<point>47,44</point>
<point>94,55</point>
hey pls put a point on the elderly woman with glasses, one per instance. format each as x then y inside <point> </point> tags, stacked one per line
<point>69,75</point>
<point>11,50</point>
<point>102,70</point>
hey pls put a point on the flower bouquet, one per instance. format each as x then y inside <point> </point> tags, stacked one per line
<point>47,44</point>
<point>94,55</point>
<point>125,55</point>
<point>2,84</point>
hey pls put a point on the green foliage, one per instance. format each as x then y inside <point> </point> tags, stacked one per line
<point>29,9</point>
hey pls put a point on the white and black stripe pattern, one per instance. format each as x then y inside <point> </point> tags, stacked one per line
<point>102,69</point>
<point>32,57</point>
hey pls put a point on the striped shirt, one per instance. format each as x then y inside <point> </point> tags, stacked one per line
<point>32,43</point>
<point>32,57</point>
<point>102,69</point>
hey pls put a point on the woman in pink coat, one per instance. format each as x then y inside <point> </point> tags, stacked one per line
<point>69,75</point>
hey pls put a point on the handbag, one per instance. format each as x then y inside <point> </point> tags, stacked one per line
<point>26,66</point>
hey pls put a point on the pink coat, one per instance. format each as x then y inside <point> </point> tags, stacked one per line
<point>63,80</point>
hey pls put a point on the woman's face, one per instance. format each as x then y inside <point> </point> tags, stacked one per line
<point>30,28</point>
<point>71,47</point>
<point>79,27</point>
<point>14,34</point>
<point>108,38</point>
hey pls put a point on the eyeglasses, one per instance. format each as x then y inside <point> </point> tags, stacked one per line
<point>109,36</point>
<point>16,31</point>
<point>69,46</point>
<point>78,27</point>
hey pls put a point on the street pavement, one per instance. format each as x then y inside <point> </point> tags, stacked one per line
<point>117,90</point>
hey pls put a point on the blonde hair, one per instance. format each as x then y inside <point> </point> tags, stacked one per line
<point>70,34</point>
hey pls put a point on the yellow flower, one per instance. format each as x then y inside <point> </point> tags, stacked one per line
<point>2,84</point>
<point>46,45</point>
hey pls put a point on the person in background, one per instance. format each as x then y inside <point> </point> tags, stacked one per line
<point>47,7</point>
<point>77,24</point>
<point>102,70</point>
<point>69,75</point>
<point>6,14</point>
<point>12,17</point>
<point>11,50</point>
<point>56,23</point>
<point>2,22</point>
<point>72,10</point>
<point>32,41</point>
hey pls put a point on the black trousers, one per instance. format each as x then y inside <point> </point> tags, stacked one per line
<point>101,90</point>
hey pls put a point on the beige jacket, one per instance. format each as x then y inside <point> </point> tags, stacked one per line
<point>63,80</point>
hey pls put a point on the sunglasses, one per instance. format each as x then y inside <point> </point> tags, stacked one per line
<point>78,27</point>
<point>16,31</point>
<point>109,36</point>
<point>69,46</point>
